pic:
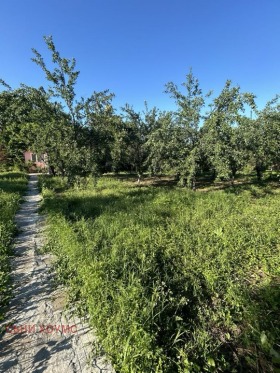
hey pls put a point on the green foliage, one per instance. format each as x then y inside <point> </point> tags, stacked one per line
<point>12,185</point>
<point>78,148</point>
<point>165,145</point>
<point>188,120</point>
<point>138,128</point>
<point>221,133</point>
<point>256,144</point>
<point>18,115</point>
<point>85,136</point>
<point>63,77</point>
<point>270,117</point>
<point>173,281</point>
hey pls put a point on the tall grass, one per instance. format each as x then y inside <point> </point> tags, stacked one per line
<point>12,185</point>
<point>173,280</point>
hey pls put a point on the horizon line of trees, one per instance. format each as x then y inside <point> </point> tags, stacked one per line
<point>87,137</point>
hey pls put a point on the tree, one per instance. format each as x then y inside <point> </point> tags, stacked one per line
<point>21,112</point>
<point>254,141</point>
<point>63,77</point>
<point>137,132</point>
<point>163,144</point>
<point>80,135</point>
<point>188,118</point>
<point>221,135</point>
<point>98,126</point>
<point>270,118</point>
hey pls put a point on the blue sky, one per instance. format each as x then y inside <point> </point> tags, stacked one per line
<point>134,47</point>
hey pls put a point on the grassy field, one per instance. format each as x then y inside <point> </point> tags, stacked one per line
<point>12,186</point>
<point>173,280</point>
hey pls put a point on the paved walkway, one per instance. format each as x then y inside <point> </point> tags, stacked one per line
<point>38,335</point>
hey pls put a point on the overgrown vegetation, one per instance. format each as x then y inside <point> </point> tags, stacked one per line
<point>173,280</point>
<point>218,134</point>
<point>12,185</point>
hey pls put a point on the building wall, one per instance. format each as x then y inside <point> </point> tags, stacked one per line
<point>38,161</point>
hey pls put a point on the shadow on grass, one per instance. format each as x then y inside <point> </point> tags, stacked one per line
<point>261,351</point>
<point>257,189</point>
<point>146,180</point>
<point>13,182</point>
<point>74,207</point>
<point>264,300</point>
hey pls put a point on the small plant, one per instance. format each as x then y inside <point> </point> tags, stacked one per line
<point>12,185</point>
<point>172,280</point>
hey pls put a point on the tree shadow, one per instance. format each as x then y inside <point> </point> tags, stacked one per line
<point>257,348</point>
<point>256,189</point>
<point>146,180</point>
<point>74,207</point>
<point>13,182</point>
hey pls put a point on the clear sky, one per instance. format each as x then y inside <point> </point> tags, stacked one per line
<point>134,47</point>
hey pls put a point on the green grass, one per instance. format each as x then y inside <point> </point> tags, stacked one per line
<point>12,186</point>
<point>173,280</point>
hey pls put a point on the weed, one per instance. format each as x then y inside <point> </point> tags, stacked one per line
<point>12,185</point>
<point>173,280</point>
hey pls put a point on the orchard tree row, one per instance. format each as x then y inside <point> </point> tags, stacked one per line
<point>87,136</point>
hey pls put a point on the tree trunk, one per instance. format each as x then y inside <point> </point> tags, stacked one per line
<point>139,177</point>
<point>194,185</point>
<point>52,170</point>
<point>177,176</point>
<point>259,173</point>
<point>214,175</point>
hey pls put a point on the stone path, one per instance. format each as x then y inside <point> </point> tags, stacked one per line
<point>38,335</point>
